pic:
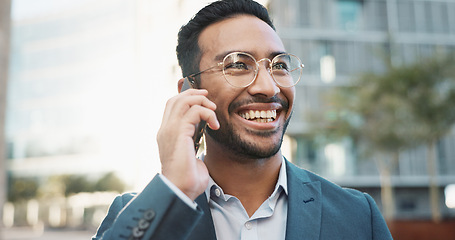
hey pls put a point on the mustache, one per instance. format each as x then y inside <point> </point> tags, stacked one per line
<point>258,99</point>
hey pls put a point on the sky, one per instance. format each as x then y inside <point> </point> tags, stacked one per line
<point>23,9</point>
<point>128,138</point>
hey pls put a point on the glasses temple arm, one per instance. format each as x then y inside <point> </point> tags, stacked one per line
<point>198,73</point>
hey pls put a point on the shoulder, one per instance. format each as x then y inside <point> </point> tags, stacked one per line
<point>121,201</point>
<point>333,195</point>
<point>342,210</point>
<point>125,198</point>
<point>153,211</point>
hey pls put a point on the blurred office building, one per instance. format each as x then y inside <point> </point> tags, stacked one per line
<point>88,82</point>
<point>337,40</point>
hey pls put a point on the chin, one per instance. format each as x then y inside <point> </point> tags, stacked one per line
<point>248,148</point>
<point>249,143</point>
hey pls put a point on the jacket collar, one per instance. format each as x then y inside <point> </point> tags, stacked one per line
<point>282,182</point>
<point>304,205</point>
<point>304,208</point>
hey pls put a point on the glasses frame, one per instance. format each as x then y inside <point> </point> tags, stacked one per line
<point>256,71</point>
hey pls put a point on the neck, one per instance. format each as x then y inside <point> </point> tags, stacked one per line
<point>251,180</point>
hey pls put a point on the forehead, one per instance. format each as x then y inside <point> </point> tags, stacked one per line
<point>240,33</point>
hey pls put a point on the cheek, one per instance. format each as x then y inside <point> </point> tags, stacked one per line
<point>221,95</point>
<point>217,98</point>
<point>223,99</point>
<point>289,94</point>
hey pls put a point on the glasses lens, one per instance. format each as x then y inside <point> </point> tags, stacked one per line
<point>286,69</point>
<point>239,69</point>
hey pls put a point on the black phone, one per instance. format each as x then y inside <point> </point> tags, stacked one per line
<point>197,137</point>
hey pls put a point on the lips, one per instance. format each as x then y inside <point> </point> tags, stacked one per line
<point>258,110</point>
<point>262,116</point>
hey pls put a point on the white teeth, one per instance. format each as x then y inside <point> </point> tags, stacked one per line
<point>260,116</point>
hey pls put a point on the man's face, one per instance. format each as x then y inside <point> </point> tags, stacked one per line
<point>245,137</point>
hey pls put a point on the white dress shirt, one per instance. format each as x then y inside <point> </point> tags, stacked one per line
<point>231,220</point>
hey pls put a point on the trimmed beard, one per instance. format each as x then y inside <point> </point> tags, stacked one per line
<point>234,142</point>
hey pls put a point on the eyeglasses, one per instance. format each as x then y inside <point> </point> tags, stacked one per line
<point>241,69</point>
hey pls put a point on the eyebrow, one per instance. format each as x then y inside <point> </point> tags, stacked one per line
<point>221,56</point>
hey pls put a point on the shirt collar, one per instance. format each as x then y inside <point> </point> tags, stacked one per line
<point>282,182</point>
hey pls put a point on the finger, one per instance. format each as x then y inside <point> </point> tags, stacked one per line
<point>176,107</point>
<point>196,100</point>
<point>190,92</point>
<point>198,113</point>
<point>195,91</point>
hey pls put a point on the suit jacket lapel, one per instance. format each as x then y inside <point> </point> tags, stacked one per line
<point>205,228</point>
<point>304,209</point>
<point>304,205</point>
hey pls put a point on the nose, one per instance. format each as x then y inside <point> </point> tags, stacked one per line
<point>264,84</point>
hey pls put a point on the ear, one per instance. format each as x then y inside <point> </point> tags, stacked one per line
<point>180,84</point>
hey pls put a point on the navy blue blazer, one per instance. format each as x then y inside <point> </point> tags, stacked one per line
<point>317,209</point>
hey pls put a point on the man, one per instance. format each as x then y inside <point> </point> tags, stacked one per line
<point>243,87</point>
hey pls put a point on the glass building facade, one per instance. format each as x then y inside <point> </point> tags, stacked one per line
<point>337,40</point>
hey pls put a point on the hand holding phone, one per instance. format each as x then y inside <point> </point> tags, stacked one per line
<point>177,139</point>
<point>197,137</point>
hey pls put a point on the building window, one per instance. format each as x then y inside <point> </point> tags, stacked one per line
<point>376,17</point>
<point>406,18</point>
<point>349,14</point>
<point>449,192</point>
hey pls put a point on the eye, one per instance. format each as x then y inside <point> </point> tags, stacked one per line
<point>280,66</point>
<point>236,66</point>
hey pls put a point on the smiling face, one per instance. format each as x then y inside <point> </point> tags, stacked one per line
<point>253,119</point>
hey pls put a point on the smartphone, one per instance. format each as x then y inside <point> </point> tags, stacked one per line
<point>197,137</point>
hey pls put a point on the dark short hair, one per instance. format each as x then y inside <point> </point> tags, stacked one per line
<point>188,51</point>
